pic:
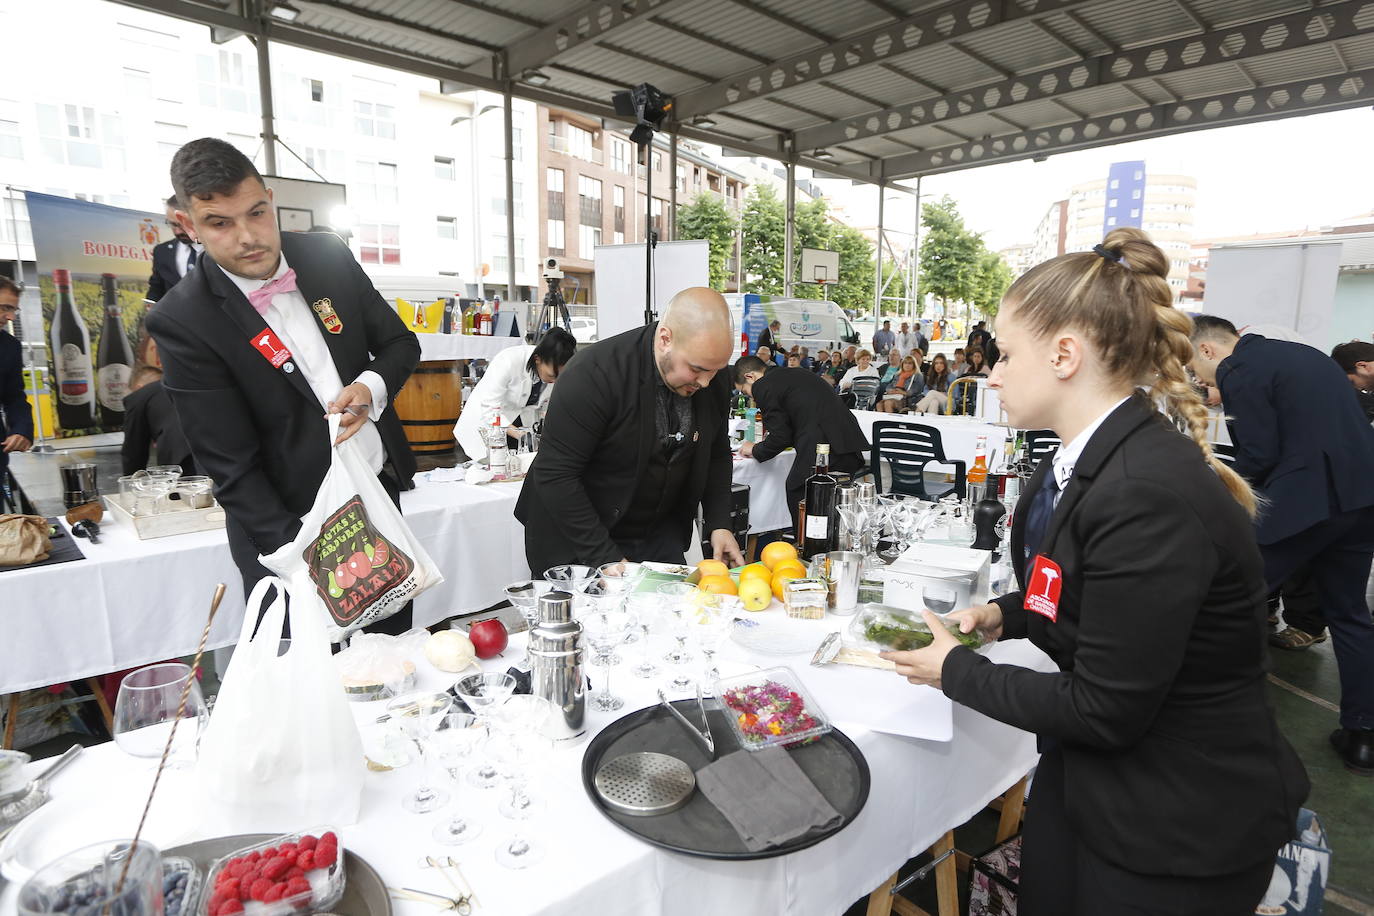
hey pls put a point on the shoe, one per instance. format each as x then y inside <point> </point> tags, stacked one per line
<point>1294,639</point>
<point>1356,747</point>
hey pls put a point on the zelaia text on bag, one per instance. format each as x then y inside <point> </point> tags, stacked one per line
<point>356,569</point>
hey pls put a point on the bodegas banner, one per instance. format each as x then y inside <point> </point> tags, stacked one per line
<point>93,264</point>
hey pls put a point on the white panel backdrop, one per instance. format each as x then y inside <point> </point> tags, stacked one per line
<point>1293,286</point>
<point>620,281</point>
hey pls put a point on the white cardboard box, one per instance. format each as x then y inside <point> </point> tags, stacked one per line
<point>964,568</point>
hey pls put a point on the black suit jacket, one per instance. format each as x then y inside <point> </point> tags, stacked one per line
<point>260,432</point>
<point>15,413</point>
<point>1173,761</point>
<point>1301,438</point>
<point>150,418</point>
<point>598,436</point>
<point>164,275</point>
<point>799,410</point>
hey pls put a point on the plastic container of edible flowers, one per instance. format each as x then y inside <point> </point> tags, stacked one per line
<point>770,708</point>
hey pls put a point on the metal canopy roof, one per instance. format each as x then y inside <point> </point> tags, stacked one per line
<point>876,90</point>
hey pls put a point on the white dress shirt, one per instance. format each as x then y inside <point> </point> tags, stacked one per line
<point>291,319</point>
<point>1068,455</point>
<point>183,255</point>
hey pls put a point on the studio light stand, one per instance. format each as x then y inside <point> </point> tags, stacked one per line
<point>648,107</point>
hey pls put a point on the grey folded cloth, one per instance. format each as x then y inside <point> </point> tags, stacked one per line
<point>766,797</point>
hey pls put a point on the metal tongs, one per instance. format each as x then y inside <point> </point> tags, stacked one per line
<point>702,734</point>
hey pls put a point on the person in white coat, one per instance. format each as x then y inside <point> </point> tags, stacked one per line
<point>516,385</point>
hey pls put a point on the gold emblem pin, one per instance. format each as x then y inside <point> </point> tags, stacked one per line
<point>328,317</point>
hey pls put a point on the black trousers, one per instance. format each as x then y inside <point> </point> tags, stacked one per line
<point>1063,876</point>
<point>1338,551</point>
<point>246,559</point>
<point>1301,608</point>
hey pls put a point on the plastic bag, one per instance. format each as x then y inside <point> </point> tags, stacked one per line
<point>355,547</point>
<point>282,748</point>
<point>376,666</point>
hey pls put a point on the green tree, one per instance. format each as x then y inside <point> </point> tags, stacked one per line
<point>764,223</point>
<point>707,218</point>
<point>855,289</point>
<point>994,276</point>
<point>894,280</point>
<point>951,255</point>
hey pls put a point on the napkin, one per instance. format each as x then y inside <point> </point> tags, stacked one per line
<point>766,797</point>
<point>477,474</point>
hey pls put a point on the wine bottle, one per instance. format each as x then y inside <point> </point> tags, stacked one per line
<point>114,362</point>
<point>820,506</point>
<point>495,310</point>
<point>71,357</point>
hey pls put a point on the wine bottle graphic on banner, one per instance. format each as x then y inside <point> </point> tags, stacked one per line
<point>71,357</point>
<point>114,362</point>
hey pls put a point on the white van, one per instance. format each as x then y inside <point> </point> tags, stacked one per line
<point>817,324</point>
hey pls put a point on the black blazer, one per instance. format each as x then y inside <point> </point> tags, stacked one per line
<point>800,409</point>
<point>15,414</point>
<point>164,275</point>
<point>258,431</point>
<point>1174,763</point>
<point>598,435</point>
<point>1301,437</point>
<point>150,418</point>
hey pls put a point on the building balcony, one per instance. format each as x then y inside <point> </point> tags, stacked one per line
<point>589,211</point>
<point>556,205</point>
<point>590,154</point>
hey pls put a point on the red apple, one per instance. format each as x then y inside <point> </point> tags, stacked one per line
<point>343,577</point>
<point>488,637</point>
<point>359,565</point>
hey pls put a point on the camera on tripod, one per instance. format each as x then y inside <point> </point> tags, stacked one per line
<point>552,270</point>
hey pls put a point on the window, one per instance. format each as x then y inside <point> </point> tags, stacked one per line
<point>1135,194</point>
<point>619,238</point>
<point>373,119</point>
<point>682,179</point>
<point>516,144</point>
<point>579,142</point>
<point>1139,174</point>
<point>376,183</point>
<point>658,162</point>
<point>1135,213</point>
<point>11,146</point>
<point>443,169</point>
<point>138,83</point>
<point>379,244</point>
<point>221,82</point>
<point>618,197</point>
<point>588,187</point>
<point>72,135</point>
<point>498,204</point>
<point>588,237</point>
<point>1111,204</point>
<point>1111,221</point>
<point>620,156</point>
<point>556,239</point>
<point>15,218</point>
<point>555,179</point>
<point>1115,183</point>
<point>447,227</point>
<point>321,160</point>
<point>316,90</point>
<point>169,138</point>
<point>499,264</point>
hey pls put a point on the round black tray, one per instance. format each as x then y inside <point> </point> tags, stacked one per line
<point>833,763</point>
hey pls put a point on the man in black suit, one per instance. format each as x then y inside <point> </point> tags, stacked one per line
<point>265,336</point>
<point>151,422</point>
<point>634,440</point>
<point>1303,442</point>
<point>1356,360</point>
<point>799,411</point>
<point>16,419</point>
<point>172,259</point>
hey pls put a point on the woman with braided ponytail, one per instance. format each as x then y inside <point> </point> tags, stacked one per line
<point>1164,786</point>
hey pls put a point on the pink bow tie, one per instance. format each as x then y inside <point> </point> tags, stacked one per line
<point>262,298</point>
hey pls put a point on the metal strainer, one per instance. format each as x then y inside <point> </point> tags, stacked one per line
<point>645,783</point>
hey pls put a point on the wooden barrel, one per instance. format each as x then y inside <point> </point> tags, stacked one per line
<point>428,406</point>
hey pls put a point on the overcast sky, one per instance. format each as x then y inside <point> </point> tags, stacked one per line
<point>1277,175</point>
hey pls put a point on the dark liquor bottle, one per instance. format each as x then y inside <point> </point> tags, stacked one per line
<point>71,358</point>
<point>820,506</point>
<point>114,362</point>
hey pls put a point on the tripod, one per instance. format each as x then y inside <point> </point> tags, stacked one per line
<point>553,300</point>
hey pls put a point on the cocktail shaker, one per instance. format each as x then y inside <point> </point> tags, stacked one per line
<point>556,666</point>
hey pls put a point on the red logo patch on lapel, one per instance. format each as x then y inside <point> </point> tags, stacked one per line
<point>1042,589</point>
<point>270,346</point>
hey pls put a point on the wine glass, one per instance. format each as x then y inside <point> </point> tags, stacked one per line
<point>146,707</point>
<point>484,693</point>
<point>524,597</point>
<point>681,601</point>
<point>621,579</point>
<point>418,715</point>
<point>646,608</point>
<point>605,628</point>
<point>939,598</point>
<point>570,577</point>
<point>523,748</point>
<point>457,737</point>
<point>713,619</point>
<point>854,518</point>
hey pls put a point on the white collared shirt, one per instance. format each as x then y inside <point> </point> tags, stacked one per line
<point>183,255</point>
<point>1068,455</point>
<point>291,319</point>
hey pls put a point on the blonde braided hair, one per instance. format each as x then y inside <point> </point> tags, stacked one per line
<point>1121,300</point>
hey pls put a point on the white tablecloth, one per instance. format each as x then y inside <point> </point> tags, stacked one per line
<point>132,602</point>
<point>919,790</point>
<point>463,346</point>
<point>958,435</point>
<point>767,482</point>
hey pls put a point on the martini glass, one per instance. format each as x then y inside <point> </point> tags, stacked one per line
<point>457,738</point>
<point>524,597</point>
<point>605,628</point>
<point>484,693</point>
<point>646,609</point>
<point>418,715</point>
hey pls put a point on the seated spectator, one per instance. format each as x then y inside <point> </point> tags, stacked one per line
<point>850,357</point>
<point>894,366</point>
<point>975,364</point>
<point>861,369</point>
<point>937,382</point>
<point>766,354</point>
<point>956,364</point>
<point>907,386</point>
<point>151,422</point>
<point>836,369</point>
<point>806,361</point>
<point>1356,358</point>
<point>822,360</point>
<point>794,361</point>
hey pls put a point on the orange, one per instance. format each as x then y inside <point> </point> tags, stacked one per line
<point>780,580</point>
<point>776,553</point>
<point>718,585</point>
<point>792,567</point>
<point>754,594</point>
<point>756,569</point>
<point>713,568</point>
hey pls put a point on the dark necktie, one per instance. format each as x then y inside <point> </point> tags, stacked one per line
<point>191,259</point>
<point>1038,516</point>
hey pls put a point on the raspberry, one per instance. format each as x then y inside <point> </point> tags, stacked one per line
<point>329,838</point>
<point>274,893</point>
<point>277,867</point>
<point>306,860</point>
<point>235,868</point>
<point>307,842</point>
<point>260,888</point>
<point>252,856</point>
<point>325,855</point>
<point>288,849</point>
<point>230,906</point>
<point>245,891</point>
<point>297,886</point>
<point>216,901</point>
<point>295,871</point>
